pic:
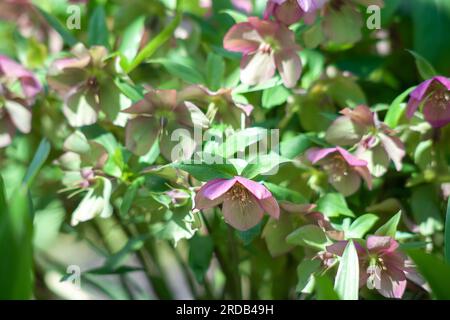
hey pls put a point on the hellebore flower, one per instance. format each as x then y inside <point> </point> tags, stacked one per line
<point>18,89</point>
<point>243,201</point>
<point>434,95</point>
<point>382,266</point>
<point>243,5</point>
<point>82,165</point>
<point>220,104</point>
<point>290,11</point>
<point>86,81</point>
<point>377,143</point>
<point>158,116</point>
<point>266,46</point>
<point>344,169</point>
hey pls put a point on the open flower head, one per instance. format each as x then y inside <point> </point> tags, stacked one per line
<point>377,143</point>
<point>156,117</point>
<point>266,46</point>
<point>382,266</point>
<point>86,81</point>
<point>434,95</point>
<point>290,11</point>
<point>243,201</point>
<point>344,169</point>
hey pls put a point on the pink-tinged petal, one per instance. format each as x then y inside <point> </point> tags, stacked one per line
<point>257,68</point>
<point>242,215</point>
<point>270,206</point>
<point>289,66</point>
<point>243,5</point>
<point>393,283</point>
<point>242,37</point>
<point>265,28</point>
<point>216,188</point>
<point>141,107</point>
<point>394,148</point>
<point>78,109</point>
<point>365,174</point>
<point>19,115</point>
<point>381,244</point>
<point>361,115</point>
<point>343,132</point>
<point>307,5</point>
<point>246,108</point>
<point>270,9</point>
<point>203,203</point>
<point>316,154</point>
<point>288,13</point>
<point>347,184</point>
<point>437,115</point>
<point>351,159</point>
<point>338,248</point>
<point>12,69</point>
<point>257,189</point>
<point>412,107</point>
<point>297,208</point>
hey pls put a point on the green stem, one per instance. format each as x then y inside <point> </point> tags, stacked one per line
<point>158,41</point>
<point>234,258</point>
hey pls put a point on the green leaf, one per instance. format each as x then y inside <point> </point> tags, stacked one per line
<point>324,288</point>
<point>215,70</point>
<point>68,38</point>
<point>200,255</point>
<point>16,229</point>
<point>240,140</point>
<point>206,172</point>
<point>97,29</point>
<point>305,275</point>
<point>237,16</point>
<point>295,146</point>
<point>283,193</point>
<point>390,227</point>
<point>131,40</point>
<point>334,205</point>
<point>426,208</point>
<point>426,70</point>
<point>447,233</point>
<point>129,196</point>
<point>435,271</point>
<point>182,71</point>
<point>397,109</point>
<point>310,236</point>
<point>249,235</point>
<point>274,96</point>
<point>155,43</point>
<point>361,226</point>
<point>347,277</point>
<point>267,164</point>
<point>38,161</point>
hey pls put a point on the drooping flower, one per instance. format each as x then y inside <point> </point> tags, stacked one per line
<point>344,169</point>
<point>86,82</point>
<point>434,95</point>
<point>220,104</point>
<point>377,143</point>
<point>18,89</point>
<point>290,11</point>
<point>266,46</point>
<point>82,165</point>
<point>157,117</point>
<point>243,201</point>
<point>382,266</point>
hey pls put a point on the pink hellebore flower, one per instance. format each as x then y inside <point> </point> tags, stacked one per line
<point>434,94</point>
<point>244,201</point>
<point>266,46</point>
<point>344,169</point>
<point>18,88</point>
<point>382,266</point>
<point>377,143</point>
<point>290,11</point>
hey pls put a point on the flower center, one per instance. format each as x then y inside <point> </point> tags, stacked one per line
<point>239,193</point>
<point>336,167</point>
<point>269,45</point>
<point>441,99</point>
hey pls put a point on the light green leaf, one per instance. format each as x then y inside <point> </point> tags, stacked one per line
<point>361,226</point>
<point>324,288</point>
<point>215,70</point>
<point>131,40</point>
<point>390,227</point>
<point>38,161</point>
<point>274,96</point>
<point>334,205</point>
<point>310,236</point>
<point>347,277</point>
<point>426,70</point>
<point>397,109</point>
<point>68,38</point>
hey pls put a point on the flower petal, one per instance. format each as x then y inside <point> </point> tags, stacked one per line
<point>351,159</point>
<point>316,154</point>
<point>140,134</point>
<point>346,184</point>
<point>270,206</point>
<point>242,215</point>
<point>257,189</point>
<point>216,188</point>
<point>242,37</point>
<point>257,68</point>
<point>289,66</point>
